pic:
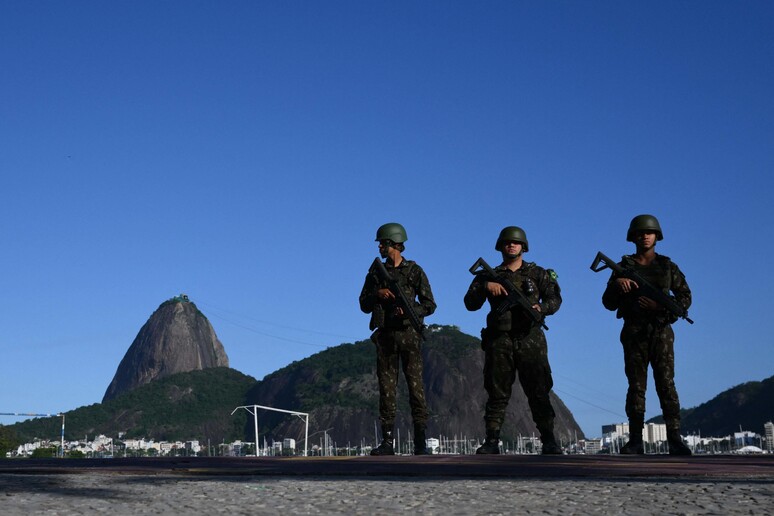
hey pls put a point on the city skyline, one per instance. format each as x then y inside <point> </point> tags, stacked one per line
<point>612,438</point>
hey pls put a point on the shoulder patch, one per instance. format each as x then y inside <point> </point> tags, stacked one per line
<point>552,274</point>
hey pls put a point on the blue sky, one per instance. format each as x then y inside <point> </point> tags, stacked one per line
<point>245,153</point>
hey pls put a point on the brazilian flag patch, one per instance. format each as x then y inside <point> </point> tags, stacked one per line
<point>552,273</point>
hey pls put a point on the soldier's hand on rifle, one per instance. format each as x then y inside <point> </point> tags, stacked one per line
<point>496,289</point>
<point>647,303</point>
<point>537,308</point>
<point>626,285</point>
<point>385,294</point>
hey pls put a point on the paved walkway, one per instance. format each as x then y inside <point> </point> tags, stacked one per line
<point>458,485</point>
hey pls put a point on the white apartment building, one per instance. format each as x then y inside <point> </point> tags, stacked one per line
<point>653,433</point>
<point>592,446</point>
<point>615,430</point>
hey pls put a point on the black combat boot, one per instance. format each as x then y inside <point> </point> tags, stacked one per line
<point>635,445</point>
<point>675,442</point>
<point>550,446</point>
<point>420,441</point>
<point>491,445</point>
<point>386,447</point>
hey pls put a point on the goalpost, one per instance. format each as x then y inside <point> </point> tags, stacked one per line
<point>254,412</point>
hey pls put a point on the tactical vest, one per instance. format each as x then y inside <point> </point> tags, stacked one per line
<point>658,274</point>
<point>382,316</point>
<point>526,279</point>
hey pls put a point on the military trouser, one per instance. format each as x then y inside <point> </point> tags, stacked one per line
<point>650,343</point>
<point>526,354</point>
<point>392,346</point>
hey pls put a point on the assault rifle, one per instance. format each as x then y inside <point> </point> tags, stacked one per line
<point>645,288</point>
<point>403,302</point>
<point>515,296</point>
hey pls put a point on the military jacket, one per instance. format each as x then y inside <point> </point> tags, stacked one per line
<point>538,284</point>
<point>415,285</point>
<point>662,273</point>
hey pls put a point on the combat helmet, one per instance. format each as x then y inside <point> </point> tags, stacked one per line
<point>644,223</point>
<point>391,231</point>
<point>512,234</point>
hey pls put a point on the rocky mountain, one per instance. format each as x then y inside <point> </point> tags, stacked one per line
<point>177,338</point>
<point>749,405</point>
<point>338,388</point>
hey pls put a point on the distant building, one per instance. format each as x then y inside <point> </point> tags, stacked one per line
<point>654,433</point>
<point>694,442</point>
<point>592,446</point>
<point>769,430</point>
<point>192,447</point>
<point>527,444</point>
<point>288,446</point>
<point>746,438</point>
<point>135,444</point>
<point>615,430</point>
<point>614,434</point>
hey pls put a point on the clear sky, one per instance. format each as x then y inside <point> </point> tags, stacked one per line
<point>245,152</point>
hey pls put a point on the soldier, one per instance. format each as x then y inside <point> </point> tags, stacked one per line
<point>395,337</point>
<point>513,343</point>
<point>647,335</point>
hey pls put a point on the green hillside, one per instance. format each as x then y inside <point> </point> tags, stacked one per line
<point>749,405</point>
<point>336,369</point>
<point>339,390</point>
<point>193,405</point>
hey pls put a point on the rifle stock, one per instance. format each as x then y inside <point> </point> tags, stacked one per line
<point>602,262</point>
<point>400,297</point>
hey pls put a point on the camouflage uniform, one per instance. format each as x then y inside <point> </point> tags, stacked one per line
<point>647,337</point>
<point>396,340</point>
<point>513,343</point>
